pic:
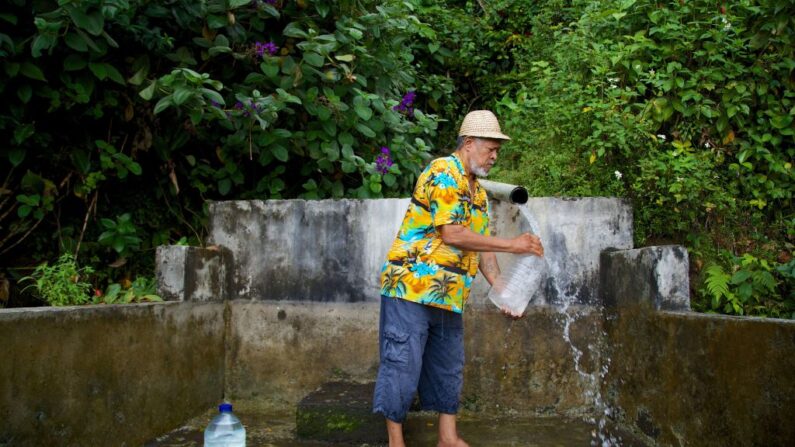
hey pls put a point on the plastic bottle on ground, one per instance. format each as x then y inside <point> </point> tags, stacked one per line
<point>225,429</point>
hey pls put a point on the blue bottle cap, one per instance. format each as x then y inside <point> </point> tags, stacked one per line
<point>225,408</point>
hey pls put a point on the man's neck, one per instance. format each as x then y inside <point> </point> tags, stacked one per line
<point>464,162</point>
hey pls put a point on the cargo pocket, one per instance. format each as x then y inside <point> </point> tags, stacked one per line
<point>396,346</point>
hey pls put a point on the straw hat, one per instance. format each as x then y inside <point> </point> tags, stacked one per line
<point>483,124</point>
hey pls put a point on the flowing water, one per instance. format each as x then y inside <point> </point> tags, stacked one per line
<point>564,305</point>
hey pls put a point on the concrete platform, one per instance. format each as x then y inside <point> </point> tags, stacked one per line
<point>340,412</point>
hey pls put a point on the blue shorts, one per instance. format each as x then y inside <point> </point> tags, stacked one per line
<point>421,350</point>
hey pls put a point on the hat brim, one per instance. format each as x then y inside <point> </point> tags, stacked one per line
<point>492,135</point>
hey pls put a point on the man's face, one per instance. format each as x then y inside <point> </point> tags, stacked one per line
<point>482,155</point>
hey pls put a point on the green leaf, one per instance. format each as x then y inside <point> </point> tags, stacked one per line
<point>74,62</point>
<point>346,138</point>
<point>366,131</point>
<point>224,186</point>
<point>345,57</point>
<point>293,30</point>
<point>24,93</point>
<point>99,70</point>
<point>40,43</point>
<point>270,68</point>
<point>32,71</point>
<point>75,42</point>
<point>163,104</point>
<point>314,59</point>
<point>135,168</point>
<point>16,156</point>
<point>389,180</point>
<point>180,95</point>
<point>280,153</point>
<point>310,185</point>
<point>238,3</point>
<point>148,92</point>
<point>322,8</point>
<point>363,111</point>
<point>93,23</point>
<point>213,95</point>
<point>114,74</point>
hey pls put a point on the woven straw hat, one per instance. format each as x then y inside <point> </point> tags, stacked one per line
<point>483,124</point>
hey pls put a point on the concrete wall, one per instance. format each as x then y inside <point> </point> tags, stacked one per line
<point>333,250</point>
<point>114,375</point>
<point>283,350</point>
<point>324,250</point>
<point>686,379</point>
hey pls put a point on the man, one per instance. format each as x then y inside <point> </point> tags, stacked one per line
<point>426,280</point>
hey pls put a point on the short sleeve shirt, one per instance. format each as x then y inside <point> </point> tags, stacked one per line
<point>420,267</point>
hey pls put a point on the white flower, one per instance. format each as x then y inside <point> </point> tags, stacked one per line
<point>707,145</point>
<point>726,24</point>
<point>617,174</point>
<point>652,72</point>
<point>661,136</point>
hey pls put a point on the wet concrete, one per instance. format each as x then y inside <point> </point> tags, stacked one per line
<point>270,426</point>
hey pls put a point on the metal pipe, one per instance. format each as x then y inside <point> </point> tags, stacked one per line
<point>505,192</point>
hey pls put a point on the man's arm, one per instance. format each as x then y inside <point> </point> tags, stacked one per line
<point>489,267</point>
<point>462,237</point>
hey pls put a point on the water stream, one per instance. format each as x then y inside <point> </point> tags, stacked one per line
<point>565,306</point>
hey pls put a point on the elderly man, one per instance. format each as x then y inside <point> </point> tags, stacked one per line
<point>426,279</point>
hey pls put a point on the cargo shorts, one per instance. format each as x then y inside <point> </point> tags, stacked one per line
<point>421,351</point>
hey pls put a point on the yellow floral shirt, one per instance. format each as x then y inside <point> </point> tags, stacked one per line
<point>420,267</point>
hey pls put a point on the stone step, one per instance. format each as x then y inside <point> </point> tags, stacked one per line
<point>340,412</point>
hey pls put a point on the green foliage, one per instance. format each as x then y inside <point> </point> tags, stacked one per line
<point>142,289</point>
<point>120,235</point>
<point>148,109</point>
<point>61,284</point>
<point>752,286</point>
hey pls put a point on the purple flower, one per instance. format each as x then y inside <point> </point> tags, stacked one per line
<point>384,161</point>
<point>407,104</point>
<point>260,48</point>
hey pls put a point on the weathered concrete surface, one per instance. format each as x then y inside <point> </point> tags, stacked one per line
<point>112,375</point>
<point>325,250</point>
<point>285,350</point>
<point>192,273</point>
<point>574,233</point>
<point>527,366</point>
<point>340,412</point>
<point>685,379</point>
<point>653,277</point>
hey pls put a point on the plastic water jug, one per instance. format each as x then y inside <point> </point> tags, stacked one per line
<point>515,288</point>
<point>225,430</point>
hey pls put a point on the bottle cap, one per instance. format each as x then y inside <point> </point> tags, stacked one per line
<point>225,408</point>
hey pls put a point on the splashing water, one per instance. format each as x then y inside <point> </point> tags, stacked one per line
<point>523,283</point>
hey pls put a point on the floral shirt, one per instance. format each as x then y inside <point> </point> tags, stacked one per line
<point>420,267</point>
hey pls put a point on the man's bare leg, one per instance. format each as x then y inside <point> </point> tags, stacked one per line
<point>448,435</point>
<point>395,432</point>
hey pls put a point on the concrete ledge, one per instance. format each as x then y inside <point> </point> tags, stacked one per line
<point>108,375</point>
<point>683,378</point>
<point>655,277</point>
<point>192,273</point>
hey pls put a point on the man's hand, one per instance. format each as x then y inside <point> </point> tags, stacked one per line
<point>510,314</point>
<point>528,243</point>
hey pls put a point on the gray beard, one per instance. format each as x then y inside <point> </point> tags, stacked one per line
<point>479,171</point>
